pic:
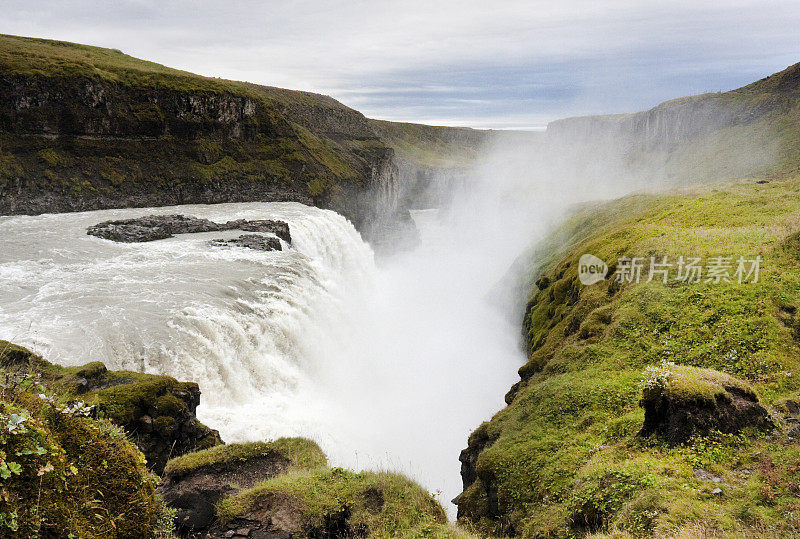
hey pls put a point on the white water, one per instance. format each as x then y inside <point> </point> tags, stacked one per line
<point>388,367</point>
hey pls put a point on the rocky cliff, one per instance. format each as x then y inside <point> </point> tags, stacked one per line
<point>87,128</point>
<point>745,132</point>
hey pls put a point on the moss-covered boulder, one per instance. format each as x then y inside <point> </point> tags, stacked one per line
<point>284,488</point>
<point>325,502</point>
<point>157,412</point>
<point>194,483</point>
<point>65,475</point>
<point>681,401</point>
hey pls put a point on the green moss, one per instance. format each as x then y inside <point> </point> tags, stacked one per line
<point>566,447</point>
<point>70,476</point>
<point>302,454</point>
<point>9,167</point>
<point>404,509</point>
<point>125,398</point>
<point>123,403</point>
<point>695,384</point>
<point>54,158</point>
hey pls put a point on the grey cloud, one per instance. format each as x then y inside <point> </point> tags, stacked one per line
<point>508,63</point>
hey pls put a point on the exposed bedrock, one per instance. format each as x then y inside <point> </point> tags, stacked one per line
<point>255,242</point>
<point>194,491</point>
<point>156,227</point>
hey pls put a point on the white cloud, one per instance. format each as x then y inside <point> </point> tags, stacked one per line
<point>605,52</point>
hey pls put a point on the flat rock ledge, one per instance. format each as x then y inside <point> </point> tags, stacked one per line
<point>159,227</point>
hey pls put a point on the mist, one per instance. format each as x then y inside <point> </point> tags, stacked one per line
<point>436,342</point>
<point>388,362</point>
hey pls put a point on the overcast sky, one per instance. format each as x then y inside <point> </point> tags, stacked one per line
<point>486,63</point>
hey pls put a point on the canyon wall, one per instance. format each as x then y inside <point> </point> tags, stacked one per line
<point>86,128</point>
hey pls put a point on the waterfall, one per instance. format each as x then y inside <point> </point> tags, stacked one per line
<point>387,367</point>
<point>250,327</point>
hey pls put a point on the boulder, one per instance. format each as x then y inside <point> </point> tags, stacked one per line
<point>194,484</point>
<point>279,516</point>
<point>686,401</point>
<point>194,491</point>
<point>279,228</point>
<point>330,503</point>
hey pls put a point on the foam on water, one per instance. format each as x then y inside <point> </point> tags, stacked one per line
<point>386,367</point>
<point>237,321</point>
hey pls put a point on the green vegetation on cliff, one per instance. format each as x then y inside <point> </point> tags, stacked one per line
<point>564,459</point>
<point>432,146</point>
<point>156,411</point>
<point>753,131</point>
<point>285,487</point>
<point>64,474</point>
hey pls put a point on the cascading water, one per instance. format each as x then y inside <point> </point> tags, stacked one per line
<point>385,367</point>
<point>251,327</point>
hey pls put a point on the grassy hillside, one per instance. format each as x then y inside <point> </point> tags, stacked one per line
<point>564,458</point>
<point>752,131</point>
<point>432,146</point>
<point>48,58</point>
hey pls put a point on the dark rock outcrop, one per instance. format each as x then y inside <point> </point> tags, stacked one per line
<point>251,241</point>
<point>279,228</point>
<point>195,493</point>
<point>479,497</point>
<point>159,415</point>
<point>280,517</point>
<point>157,227</point>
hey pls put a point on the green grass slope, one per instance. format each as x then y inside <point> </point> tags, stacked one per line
<point>432,146</point>
<point>563,459</point>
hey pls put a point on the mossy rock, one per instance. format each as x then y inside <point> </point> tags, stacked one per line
<point>297,452</point>
<point>67,476</point>
<point>334,502</point>
<point>158,412</point>
<point>194,483</point>
<point>696,401</point>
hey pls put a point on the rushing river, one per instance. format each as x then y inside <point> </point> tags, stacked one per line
<point>385,366</point>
